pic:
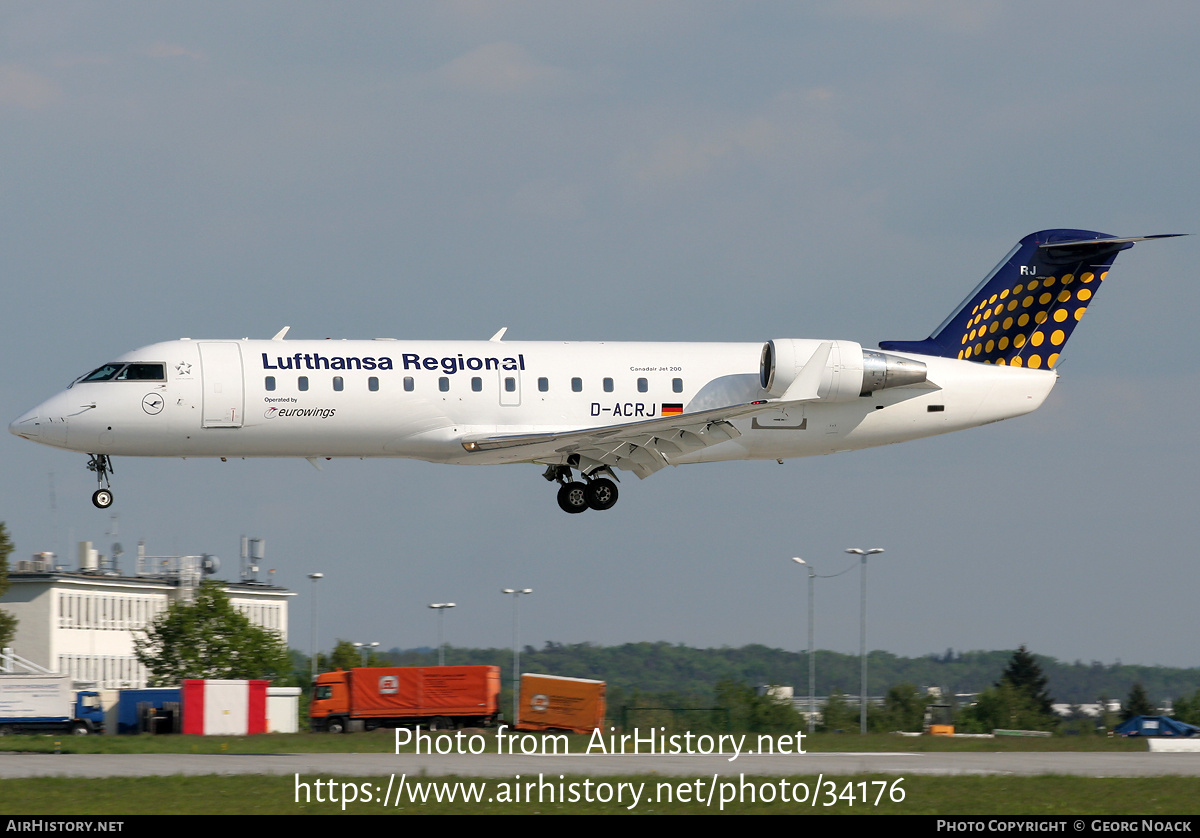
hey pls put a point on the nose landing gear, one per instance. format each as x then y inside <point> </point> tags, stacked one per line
<point>575,496</point>
<point>102,498</point>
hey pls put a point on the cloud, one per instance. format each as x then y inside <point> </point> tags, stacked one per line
<point>500,69</point>
<point>24,88</point>
<point>161,49</point>
<point>946,15</point>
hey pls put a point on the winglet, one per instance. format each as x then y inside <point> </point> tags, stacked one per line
<point>279,335</point>
<point>499,336</point>
<point>805,386</point>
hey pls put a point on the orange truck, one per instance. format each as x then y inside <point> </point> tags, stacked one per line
<point>438,697</point>
<point>551,702</point>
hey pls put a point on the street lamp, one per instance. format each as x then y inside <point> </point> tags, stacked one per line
<point>441,607</point>
<point>363,648</point>
<point>862,634</point>
<point>315,577</point>
<point>812,664</point>
<point>516,595</point>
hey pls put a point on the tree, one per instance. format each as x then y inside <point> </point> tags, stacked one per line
<point>1187,709</point>
<point>756,713</point>
<point>1007,707</point>
<point>1018,701</point>
<point>1024,674</point>
<point>8,623</point>
<point>1138,704</point>
<point>903,709</point>
<point>208,638</point>
<point>838,714</point>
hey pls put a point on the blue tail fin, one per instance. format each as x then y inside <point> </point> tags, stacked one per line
<point>1026,308</point>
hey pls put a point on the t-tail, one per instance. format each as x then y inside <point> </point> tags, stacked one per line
<point>1025,310</point>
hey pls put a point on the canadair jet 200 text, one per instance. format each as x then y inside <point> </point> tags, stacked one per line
<point>588,408</point>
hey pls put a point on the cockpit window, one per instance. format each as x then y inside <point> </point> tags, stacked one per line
<point>142,372</point>
<point>105,373</point>
<point>126,372</point>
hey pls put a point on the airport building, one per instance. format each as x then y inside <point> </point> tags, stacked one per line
<point>82,621</point>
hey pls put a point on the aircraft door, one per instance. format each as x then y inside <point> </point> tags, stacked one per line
<point>510,388</point>
<point>224,390</point>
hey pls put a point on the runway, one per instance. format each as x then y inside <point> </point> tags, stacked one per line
<point>1101,764</point>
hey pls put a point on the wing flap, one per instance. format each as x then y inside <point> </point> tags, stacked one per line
<point>641,447</point>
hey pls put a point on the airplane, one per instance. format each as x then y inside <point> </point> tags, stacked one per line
<point>588,408</point>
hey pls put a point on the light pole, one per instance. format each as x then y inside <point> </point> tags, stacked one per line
<point>516,595</point>
<point>315,577</point>
<point>862,635</point>
<point>812,664</point>
<point>441,607</point>
<point>363,648</point>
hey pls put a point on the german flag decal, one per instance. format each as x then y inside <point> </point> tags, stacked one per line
<point>672,409</point>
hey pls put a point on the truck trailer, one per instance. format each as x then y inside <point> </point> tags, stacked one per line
<point>552,702</point>
<point>439,697</point>
<point>47,704</point>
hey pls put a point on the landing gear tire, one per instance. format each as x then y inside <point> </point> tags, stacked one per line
<point>102,498</point>
<point>601,493</point>
<point>572,497</point>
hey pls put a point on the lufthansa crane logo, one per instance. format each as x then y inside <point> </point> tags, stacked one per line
<point>153,403</point>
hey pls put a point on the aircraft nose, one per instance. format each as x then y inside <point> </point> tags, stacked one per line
<point>27,426</point>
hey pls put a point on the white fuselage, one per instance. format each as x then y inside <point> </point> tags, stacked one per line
<point>423,399</point>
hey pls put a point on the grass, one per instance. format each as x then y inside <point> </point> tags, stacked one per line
<point>263,795</point>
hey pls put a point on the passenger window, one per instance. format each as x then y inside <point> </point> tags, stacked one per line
<point>510,385</point>
<point>302,383</point>
<point>677,385</point>
<point>444,384</point>
<point>408,384</point>
<point>270,383</point>
<point>373,384</point>
<point>643,385</point>
<point>338,384</point>
<point>477,384</point>
<point>543,385</point>
<point>608,385</point>
<point>576,385</point>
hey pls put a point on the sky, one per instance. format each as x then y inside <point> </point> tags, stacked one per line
<point>676,171</point>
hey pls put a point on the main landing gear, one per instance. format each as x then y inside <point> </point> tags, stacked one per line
<point>575,496</point>
<point>102,498</point>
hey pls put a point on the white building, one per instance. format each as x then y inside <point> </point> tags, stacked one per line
<point>82,622</point>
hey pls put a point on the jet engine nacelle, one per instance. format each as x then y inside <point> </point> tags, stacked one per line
<point>850,370</point>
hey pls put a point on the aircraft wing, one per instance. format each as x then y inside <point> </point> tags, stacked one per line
<point>646,446</point>
<point>641,447</point>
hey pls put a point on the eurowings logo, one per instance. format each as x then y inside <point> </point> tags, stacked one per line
<point>310,412</point>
